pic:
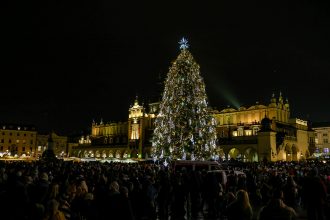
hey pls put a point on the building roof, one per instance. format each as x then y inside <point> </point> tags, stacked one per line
<point>243,108</point>
<point>18,127</point>
<point>258,106</point>
<point>228,110</point>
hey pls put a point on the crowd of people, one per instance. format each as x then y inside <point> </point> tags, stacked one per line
<point>61,190</point>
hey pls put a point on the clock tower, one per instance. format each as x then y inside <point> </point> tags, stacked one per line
<point>135,129</point>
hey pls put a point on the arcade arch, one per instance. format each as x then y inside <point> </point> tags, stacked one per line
<point>250,155</point>
<point>294,152</point>
<point>234,153</point>
<point>111,154</point>
<point>288,152</point>
<point>104,154</point>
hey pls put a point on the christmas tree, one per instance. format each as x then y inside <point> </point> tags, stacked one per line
<point>184,128</point>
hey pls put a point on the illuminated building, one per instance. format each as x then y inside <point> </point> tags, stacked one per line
<point>131,139</point>
<point>108,138</point>
<point>263,132</point>
<point>322,138</point>
<point>277,109</point>
<point>140,128</point>
<point>249,133</point>
<point>17,140</point>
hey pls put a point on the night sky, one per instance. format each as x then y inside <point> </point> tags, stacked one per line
<point>65,64</point>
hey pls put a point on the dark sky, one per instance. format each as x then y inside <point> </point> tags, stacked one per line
<point>67,63</point>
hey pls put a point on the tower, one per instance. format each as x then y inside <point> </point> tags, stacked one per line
<point>287,110</point>
<point>281,113</point>
<point>280,98</point>
<point>135,128</point>
<point>267,141</point>
<point>273,100</point>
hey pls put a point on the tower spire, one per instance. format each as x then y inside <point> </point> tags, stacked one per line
<point>273,99</point>
<point>280,99</point>
<point>287,103</point>
<point>136,101</point>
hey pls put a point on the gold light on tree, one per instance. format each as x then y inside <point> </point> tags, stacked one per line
<point>184,129</point>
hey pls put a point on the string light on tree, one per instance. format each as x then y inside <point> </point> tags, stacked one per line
<point>165,163</point>
<point>184,128</point>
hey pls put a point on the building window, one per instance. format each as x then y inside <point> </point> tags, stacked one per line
<point>325,134</point>
<point>17,134</point>
<point>9,141</point>
<point>10,134</point>
<point>255,130</point>
<point>39,148</point>
<point>2,140</point>
<point>325,141</point>
<point>23,148</point>
<point>24,135</point>
<point>31,142</point>
<point>135,132</point>
<point>248,132</point>
<point>24,141</point>
<point>3,133</point>
<point>17,141</point>
<point>1,148</point>
<point>222,133</point>
<point>240,132</point>
<point>326,150</point>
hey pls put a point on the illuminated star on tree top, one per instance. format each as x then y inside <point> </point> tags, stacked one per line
<point>183,43</point>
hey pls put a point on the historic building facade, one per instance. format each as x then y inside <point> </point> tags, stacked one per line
<point>17,140</point>
<point>263,132</point>
<point>322,139</point>
<point>131,139</point>
<point>251,133</point>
